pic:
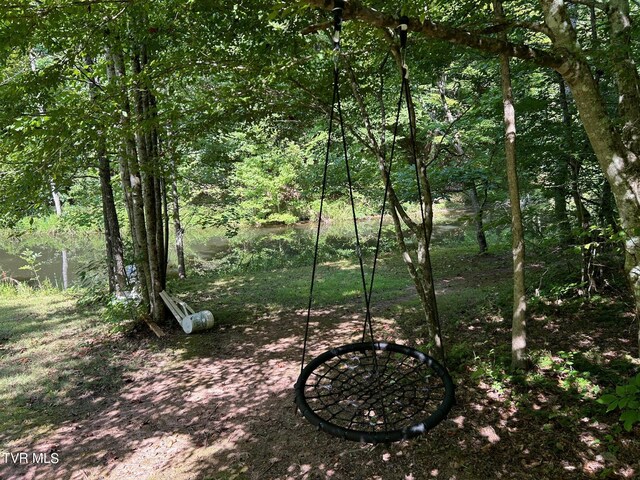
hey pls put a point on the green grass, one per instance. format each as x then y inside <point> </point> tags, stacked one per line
<point>239,297</point>
<point>51,354</point>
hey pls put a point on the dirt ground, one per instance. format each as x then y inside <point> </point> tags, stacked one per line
<point>219,405</point>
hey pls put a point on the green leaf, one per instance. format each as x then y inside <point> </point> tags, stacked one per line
<point>612,406</point>
<point>607,399</point>
<point>629,415</point>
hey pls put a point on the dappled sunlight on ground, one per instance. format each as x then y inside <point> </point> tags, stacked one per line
<point>220,405</point>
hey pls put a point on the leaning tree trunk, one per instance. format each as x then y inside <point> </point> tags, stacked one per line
<point>518,328</point>
<point>418,264</point>
<point>617,151</point>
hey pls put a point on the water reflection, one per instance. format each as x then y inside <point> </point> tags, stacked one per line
<point>67,261</point>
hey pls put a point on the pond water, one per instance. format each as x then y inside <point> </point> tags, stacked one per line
<point>65,261</point>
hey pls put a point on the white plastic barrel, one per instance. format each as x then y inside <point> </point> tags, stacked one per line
<point>197,321</point>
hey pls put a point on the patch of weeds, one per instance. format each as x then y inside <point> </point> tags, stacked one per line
<point>625,398</point>
<point>122,314</point>
<point>566,370</point>
<point>460,354</point>
<point>492,370</point>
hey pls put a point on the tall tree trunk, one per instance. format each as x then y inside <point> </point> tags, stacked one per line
<point>147,168</point>
<point>582,213</point>
<point>112,226</point>
<point>132,182</point>
<point>518,329</point>
<point>113,240</point>
<point>561,170</point>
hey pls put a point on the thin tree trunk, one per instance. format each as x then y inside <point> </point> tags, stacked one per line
<point>582,213</point>
<point>113,240</point>
<point>419,269</point>
<point>177,226</point>
<point>518,329</point>
<point>561,171</point>
<point>112,226</point>
<point>478,215</point>
<point>478,210</point>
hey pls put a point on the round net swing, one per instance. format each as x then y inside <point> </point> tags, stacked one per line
<point>371,391</point>
<point>374,392</point>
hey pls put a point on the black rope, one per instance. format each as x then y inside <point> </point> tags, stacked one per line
<point>336,102</point>
<point>322,197</point>
<point>366,291</point>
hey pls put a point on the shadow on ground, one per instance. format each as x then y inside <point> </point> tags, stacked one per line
<point>219,405</point>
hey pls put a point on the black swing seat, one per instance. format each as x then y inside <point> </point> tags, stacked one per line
<point>374,392</point>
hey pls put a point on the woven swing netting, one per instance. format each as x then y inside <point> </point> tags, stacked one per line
<point>374,392</point>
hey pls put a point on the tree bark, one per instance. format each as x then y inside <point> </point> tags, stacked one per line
<point>519,322</point>
<point>112,226</point>
<point>145,169</point>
